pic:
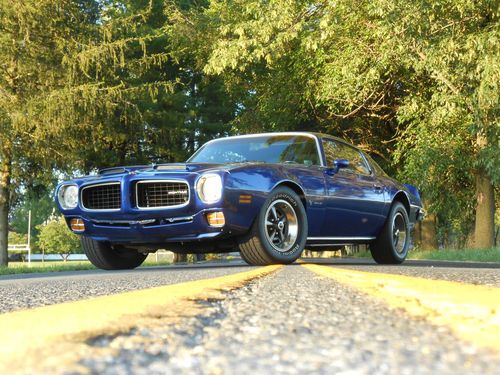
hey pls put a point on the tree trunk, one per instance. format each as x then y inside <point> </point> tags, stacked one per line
<point>484,232</point>
<point>425,232</point>
<point>428,239</point>
<point>5,170</point>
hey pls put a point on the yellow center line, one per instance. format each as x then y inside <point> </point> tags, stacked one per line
<point>53,336</point>
<point>471,311</point>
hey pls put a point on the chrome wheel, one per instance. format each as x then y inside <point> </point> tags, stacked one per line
<point>399,233</point>
<point>282,225</point>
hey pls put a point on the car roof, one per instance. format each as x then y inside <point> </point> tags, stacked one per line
<point>304,133</point>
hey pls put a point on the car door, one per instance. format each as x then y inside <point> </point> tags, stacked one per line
<point>355,199</point>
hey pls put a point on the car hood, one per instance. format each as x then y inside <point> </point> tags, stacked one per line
<point>159,168</point>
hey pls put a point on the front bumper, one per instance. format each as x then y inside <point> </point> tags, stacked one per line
<point>157,230</point>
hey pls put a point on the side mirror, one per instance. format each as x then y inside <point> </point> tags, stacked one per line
<point>341,163</point>
<point>337,164</point>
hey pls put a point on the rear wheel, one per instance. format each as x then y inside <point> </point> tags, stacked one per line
<point>279,232</point>
<point>106,257</point>
<point>391,246</point>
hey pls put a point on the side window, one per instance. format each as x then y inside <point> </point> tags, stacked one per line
<point>359,163</point>
<point>337,150</point>
<point>378,170</point>
<point>331,151</point>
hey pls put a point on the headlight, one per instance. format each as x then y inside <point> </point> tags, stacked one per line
<point>68,196</point>
<point>209,188</point>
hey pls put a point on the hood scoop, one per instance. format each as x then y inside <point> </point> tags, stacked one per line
<point>171,167</point>
<point>120,170</point>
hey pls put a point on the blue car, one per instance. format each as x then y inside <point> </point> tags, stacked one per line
<point>268,195</point>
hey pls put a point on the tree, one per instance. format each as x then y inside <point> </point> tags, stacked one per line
<point>34,36</point>
<point>56,238</point>
<point>145,104</point>
<point>451,143</point>
<point>291,65</point>
<point>37,198</point>
<point>87,84</point>
<point>417,82</point>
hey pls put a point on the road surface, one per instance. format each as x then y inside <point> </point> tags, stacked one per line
<point>345,316</point>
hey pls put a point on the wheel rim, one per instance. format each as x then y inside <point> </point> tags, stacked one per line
<point>399,233</point>
<point>282,225</point>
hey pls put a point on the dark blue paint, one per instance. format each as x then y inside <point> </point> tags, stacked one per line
<point>338,203</point>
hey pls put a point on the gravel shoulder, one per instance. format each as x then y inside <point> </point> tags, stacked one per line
<point>293,322</point>
<point>31,291</point>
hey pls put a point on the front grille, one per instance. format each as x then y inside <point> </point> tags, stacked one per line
<point>155,194</point>
<point>102,197</point>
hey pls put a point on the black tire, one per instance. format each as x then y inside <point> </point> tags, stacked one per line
<point>104,256</point>
<point>290,226</point>
<point>243,256</point>
<point>388,248</point>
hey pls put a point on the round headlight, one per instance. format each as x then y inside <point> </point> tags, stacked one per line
<point>68,196</point>
<point>209,188</point>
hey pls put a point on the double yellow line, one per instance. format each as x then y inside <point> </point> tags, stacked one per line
<point>472,312</point>
<point>53,337</point>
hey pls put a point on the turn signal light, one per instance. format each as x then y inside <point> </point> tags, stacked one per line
<point>77,225</point>
<point>216,219</point>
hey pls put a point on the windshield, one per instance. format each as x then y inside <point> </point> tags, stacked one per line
<point>295,149</point>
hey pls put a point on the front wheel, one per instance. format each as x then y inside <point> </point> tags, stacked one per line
<point>279,232</point>
<point>106,257</point>
<point>391,246</point>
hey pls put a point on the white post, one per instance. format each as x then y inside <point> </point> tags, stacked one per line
<point>29,237</point>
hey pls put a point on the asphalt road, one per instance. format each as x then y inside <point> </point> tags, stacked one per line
<point>292,322</point>
<point>466,272</point>
<point>32,290</point>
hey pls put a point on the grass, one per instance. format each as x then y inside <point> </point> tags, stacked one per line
<point>59,266</point>
<point>23,267</point>
<point>470,255</point>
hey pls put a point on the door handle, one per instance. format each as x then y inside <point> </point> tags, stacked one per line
<point>378,188</point>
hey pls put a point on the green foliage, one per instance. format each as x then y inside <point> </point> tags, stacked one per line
<point>413,83</point>
<point>87,84</point>
<point>19,268</point>
<point>471,255</point>
<point>17,238</point>
<point>38,199</point>
<point>134,102</point>
<point>34,37</point>
<point>451,110</point>
<point>56,238</point>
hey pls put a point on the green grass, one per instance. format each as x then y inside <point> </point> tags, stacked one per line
<point>23,267</point>
<point>59,266</point>
<point>471,255</point>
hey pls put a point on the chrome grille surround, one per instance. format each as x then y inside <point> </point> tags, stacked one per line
<point>157,194</point>
<point>101,197</point>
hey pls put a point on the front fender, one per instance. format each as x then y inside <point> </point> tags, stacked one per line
<point>245,191</point>
<point>248,187</point>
